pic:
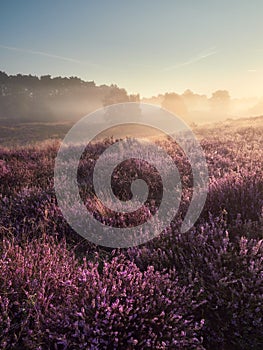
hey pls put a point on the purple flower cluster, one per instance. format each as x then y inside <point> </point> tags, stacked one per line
<point>198,290</point>
<point>49,300</point>
<point>228,273</point>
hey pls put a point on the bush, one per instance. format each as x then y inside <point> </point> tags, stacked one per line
<point>230,276</point>
<point>50,301</point>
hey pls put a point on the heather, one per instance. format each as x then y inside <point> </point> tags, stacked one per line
<point>197,290</point>
<point>50,300</point>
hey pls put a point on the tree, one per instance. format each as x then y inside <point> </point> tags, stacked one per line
<point>220,102</point>
<point>134,98</point>
<point>175,104</point>
<point>115,95</point>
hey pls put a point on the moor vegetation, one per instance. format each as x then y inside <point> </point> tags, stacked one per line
<point>199,290</point>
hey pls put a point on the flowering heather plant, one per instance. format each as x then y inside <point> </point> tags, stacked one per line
<point>237,194</point>
<point>198,290</point>
<point>50,301</point>
<point>229,275</point>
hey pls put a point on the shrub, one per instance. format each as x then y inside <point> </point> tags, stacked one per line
<point>229,275</point>
<point>50,301</point>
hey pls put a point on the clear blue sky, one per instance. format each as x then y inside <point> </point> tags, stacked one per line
<point>146,46</point>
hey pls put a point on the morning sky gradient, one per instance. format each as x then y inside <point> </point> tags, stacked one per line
<point>147,47</point>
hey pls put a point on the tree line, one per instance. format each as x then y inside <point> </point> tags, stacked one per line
<point>25,98</point>
<point>32,98</point>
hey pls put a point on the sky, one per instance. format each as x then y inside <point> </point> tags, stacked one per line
<point>147,46</point>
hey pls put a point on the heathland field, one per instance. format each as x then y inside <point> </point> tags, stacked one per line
<point>202,289</point>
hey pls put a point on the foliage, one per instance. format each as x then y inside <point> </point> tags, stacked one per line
<point>198,290</point>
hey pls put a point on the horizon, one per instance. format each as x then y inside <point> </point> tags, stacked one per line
<point>138,46</point>
<point>69,98</point>
<point>142,97</point>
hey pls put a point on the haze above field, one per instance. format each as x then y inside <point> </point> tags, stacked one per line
<point>28,98</point>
